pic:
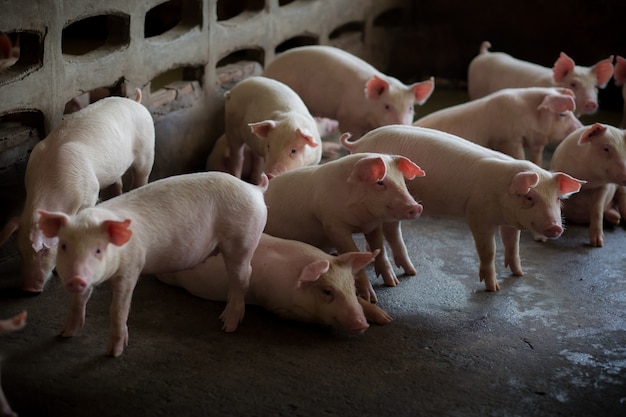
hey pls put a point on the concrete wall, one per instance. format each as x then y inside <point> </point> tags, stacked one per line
<point>183,55</point>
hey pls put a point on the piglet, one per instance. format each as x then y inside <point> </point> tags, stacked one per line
<point>10,325</point>
<point>294,280</point>
<point>324,205</point>
<point>511,120</point>
<point>620,80</point>
<point>493,71</point>
<point>165,226</point>
<point>596,154</point>
<point>270,118</point>
<point>88,151</point>
<point>488,188</point>
<point>338,85</point>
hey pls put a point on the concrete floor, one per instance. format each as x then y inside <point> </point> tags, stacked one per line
<point>552,343</point>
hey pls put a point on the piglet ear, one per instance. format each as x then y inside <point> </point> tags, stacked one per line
<point>558,103</point>
<point>423,90</point>
<point>368,169</point>
<point>408,168</point>
<point>375,87</point>
<point>307,136</point>
<point>591,132</point>
<point>119,233</point>
<point>312,272</point>
<point>50,223</point>
<point>563,66</point>
<point>620,70</point>
<point>357,260</point>
<point>568,185</point>
<point>523,182</point>
<point>262,129</point>
<point>604,71</point>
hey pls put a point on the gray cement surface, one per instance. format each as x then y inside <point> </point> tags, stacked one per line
<point>551,343</point>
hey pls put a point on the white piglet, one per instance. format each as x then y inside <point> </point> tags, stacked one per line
<point>596,154</point>
<point>274,123</point>
<point>493,71</point>
<point>324,205</point>
<point>168,225</point>
<point>488,188</point>
<point>512,121</point>
<point>337,84</point>
<point>88,151</point>
<point>294,280</point>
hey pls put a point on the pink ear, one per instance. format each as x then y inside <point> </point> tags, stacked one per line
<point>408,168</point>
<point>307,136</point>
<point>620,70</point>
<point>423,90</point>
<point>50,223</point>
<point>263,128</point>
<point>369,169</point>
<point>604,71</point>
<point>568,185</point>
<point>563,66</point>
<point>558,103</point>
<point>375,87</point>
<point>523,181</point>
<point>358,260</point>
<point>119,233</point>
<point>592,131</point>
<point>312,271</point>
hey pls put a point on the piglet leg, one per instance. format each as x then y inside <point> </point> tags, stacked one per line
<point>119,310</point>
<point>381,263</point>
<point>393,235</point>
<point>510,241</point>
<point>237,260</point>
<point>76,316</point>
<point>373,313</point>
<point>486,249</point>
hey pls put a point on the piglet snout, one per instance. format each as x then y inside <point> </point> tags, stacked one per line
<point>553,231</point>
<point>76,285</point>
<point>414,211</point>
<point>359,327</point>
<point>591,106</point>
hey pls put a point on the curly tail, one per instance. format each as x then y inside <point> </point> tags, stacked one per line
<point>484,47</point>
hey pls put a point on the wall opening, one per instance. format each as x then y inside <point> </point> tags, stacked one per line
<point>95,33</point>
<point>239,65</point>
<point>20,52</point>
<point>295,42</point>
<point>174,14</point>
<point>227,9</point>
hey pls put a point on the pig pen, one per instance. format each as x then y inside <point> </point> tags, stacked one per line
<point>551,343</point>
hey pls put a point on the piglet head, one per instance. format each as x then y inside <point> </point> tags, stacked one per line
<point>385,193</point>
<point>608,150</point>
<point>392,102</point>
<point>84,255</point>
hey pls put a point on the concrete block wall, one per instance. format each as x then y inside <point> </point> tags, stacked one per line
<point>182,54</point>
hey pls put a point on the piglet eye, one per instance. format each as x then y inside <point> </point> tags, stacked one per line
<point>387,107</point>
<point>293,151</point>
<point>380,182</point>
<point>63,247</point>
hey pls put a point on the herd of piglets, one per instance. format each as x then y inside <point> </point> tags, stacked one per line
<point>271,225</point>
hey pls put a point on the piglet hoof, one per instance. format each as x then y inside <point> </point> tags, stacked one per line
<point>232,315</point>
<point>366,291</point>
<point>117,344</point>
<point>72,326</point>
<point>373,313</point>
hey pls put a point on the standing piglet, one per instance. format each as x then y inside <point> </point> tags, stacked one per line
<point>294,280</point>
<point>596,154</point>
<point>493,71</point>
<point>338,85</point>
<point>274,123</point>
<point>168,225</point>
<point>10,325</point>
<point>88,151</point>
<point>488,188</point>
<point>324,205</point>
<point>620,80</point>
<point>511,120</point>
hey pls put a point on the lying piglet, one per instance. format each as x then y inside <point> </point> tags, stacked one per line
<point>165,226</point>
<point>620,80</point>
<point>596,154</point>
<point>493,71</point>
<point>488,188</point>
<point>274,123</point>
<point>511,120</point>
<point>88,151</point>
<point>336,84</point>
<point>294,280</point>
<point>10,325</point>
<point>324,205</point>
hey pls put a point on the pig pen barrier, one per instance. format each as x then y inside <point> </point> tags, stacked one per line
<point>182,54</point>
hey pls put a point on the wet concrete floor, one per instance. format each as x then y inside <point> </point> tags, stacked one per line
<point>551,343</point>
